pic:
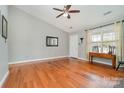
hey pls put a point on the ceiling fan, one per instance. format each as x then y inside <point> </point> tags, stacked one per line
<point>65,11</point>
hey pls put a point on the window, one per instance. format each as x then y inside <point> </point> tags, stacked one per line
<point>103,40</point>
<point>109,36</point>
<point>96,38</point>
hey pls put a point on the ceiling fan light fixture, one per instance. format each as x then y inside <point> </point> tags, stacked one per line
<point>65,14</point>
<point>66,11</point>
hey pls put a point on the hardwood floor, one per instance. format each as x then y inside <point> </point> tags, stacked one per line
<point>63,73</point>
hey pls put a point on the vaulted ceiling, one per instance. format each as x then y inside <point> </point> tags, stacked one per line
<point>89,15</point>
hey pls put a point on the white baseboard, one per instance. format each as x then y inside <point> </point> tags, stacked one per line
<point>95,61</point>
<point>106,63</point>
<point>43,59</point>
<point>82,59</point>
<point>4,78</point>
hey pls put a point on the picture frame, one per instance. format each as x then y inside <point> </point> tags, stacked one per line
<point>4,27</point>
<point>51,41</point>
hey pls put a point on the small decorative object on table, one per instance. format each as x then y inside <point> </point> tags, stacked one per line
<point>111,50</point>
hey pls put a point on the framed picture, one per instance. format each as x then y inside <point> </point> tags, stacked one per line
<point>4,27</point>
<point>51,41</point>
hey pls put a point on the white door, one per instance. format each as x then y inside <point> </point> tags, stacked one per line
<point>73,46</point>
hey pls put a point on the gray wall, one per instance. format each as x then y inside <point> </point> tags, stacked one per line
<point>27,37</point>
<point>3,46</point>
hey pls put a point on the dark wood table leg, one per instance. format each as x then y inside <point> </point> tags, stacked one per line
<point>114,62</point>
<point>91,59</point>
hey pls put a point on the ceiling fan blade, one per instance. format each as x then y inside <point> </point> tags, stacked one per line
<point>60,15</point>
<point>58,9</point>
<point>74,11</point>
<point>68,7</point>
<point>68,16</point>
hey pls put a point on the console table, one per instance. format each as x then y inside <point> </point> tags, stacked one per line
<point>102,55</point>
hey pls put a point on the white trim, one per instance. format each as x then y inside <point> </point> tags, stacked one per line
<point>106,63</point>
<point>43,59</point>
<point>82,58</point>
<point>96,61</point>
<point>4,78</point>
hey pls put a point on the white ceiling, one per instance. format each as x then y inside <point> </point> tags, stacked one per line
<point>89,15</point>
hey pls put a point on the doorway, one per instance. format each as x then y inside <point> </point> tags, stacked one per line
<point>73,46</point>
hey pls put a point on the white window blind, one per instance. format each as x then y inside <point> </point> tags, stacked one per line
<point>102,39</point>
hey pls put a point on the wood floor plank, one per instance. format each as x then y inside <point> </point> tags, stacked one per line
<point>63,73</point>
